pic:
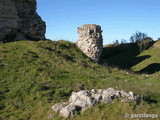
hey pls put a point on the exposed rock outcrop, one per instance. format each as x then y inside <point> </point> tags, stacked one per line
<point>19,20</point>
<point>90,40</point>
<point>80,101</point>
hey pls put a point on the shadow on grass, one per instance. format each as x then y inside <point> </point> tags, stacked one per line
<point>150,69</point>
<point>149,100</point>
<point>127,63</point>
<point>123,56</point>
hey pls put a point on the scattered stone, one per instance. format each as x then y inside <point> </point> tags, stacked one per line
<point>82,99</point>
<point>85,99</point>
<point>50,116</point>
<point>97,97</point>
<point>90,40</point>
<point>19,20</point>
<point>57,107</point>
<point>69,110</point>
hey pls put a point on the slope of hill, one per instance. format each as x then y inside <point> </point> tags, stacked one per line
<point>128,56</point>
<point>36,75</point>
<point>151,65</point>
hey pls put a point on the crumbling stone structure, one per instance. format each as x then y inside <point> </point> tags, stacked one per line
<point>90,40</point>
<point>84,99</point>
<point>19,20</point>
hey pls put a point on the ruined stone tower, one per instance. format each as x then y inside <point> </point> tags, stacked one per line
<point>19,20</point>
<point>90,40</point>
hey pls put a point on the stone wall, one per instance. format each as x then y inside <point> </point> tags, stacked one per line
<point>19,20</point>
<point>90,40</point>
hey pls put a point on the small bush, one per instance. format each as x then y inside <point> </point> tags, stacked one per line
<point>145,43</point>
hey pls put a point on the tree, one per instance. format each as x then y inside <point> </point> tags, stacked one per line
<point>116,42</point>
<point>137,37</point>
<point>123,41</point>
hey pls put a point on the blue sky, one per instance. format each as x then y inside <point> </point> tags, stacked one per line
<point>119,19</point>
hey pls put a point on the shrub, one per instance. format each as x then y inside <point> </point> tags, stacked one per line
<point>145,43</point>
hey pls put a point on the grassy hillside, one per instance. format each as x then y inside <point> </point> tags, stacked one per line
<point>36,75</point>
<point>128,56</point>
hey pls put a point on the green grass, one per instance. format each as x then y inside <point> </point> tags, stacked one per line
<point>36,75</point>
<point>154,56</point>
